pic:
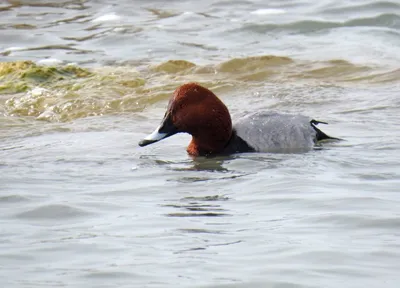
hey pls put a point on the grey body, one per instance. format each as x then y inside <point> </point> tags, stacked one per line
<point>274,132</point>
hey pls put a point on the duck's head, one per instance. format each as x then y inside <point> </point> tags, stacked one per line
<point>195,110</point>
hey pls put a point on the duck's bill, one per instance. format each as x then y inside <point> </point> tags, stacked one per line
<point>153,137</point>
<point>165,130</point>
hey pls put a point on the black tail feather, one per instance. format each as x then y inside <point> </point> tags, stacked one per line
<point>321,135</point>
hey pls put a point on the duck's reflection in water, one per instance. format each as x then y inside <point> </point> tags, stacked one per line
<point>203,206</point>
<point>210,224</point>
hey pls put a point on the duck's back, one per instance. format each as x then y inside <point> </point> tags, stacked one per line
<point>275,132</point>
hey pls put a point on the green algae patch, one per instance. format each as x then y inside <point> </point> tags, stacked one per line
<point>39,74</point>
<point>16,77</point>
<point>12,87</point>
<point>30,70</point>
<point>76,71</point>
<point>64,93</point>
<point>10,80</point>
<point>133,83</point>
<point>46,73</point>
<point>7,68</point>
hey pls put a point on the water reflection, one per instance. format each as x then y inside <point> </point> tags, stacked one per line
<point>203,206</point>
<point>205,217</point>
<point>211,164</point>
<point>207,246</point>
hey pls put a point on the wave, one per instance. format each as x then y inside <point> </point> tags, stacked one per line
<point>373,7</point>
<point>53,212</point>
<point>388,20</point>
<point>65,93</point>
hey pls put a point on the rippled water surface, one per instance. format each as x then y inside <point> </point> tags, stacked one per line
<point>81,205</point>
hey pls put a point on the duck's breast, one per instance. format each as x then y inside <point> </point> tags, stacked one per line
<point>271,131</point>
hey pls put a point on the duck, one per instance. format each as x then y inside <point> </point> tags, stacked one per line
<point>196,110</point>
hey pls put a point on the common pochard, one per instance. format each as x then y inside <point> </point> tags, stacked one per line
<point>198,111</point>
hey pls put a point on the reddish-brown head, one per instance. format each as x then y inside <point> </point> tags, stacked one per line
<point>196,110</point>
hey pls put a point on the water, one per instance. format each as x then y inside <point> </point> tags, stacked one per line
<point>83,206</point>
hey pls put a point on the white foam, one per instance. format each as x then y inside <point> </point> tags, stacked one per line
<point>47,115</point>
<point>107,18</point>
<point>38,91</point>
<point>268,11</point>
<point>12,49</point>
<point>15,49</point>
<point>49,62</point>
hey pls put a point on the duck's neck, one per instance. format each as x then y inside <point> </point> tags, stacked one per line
<point>209,144</point>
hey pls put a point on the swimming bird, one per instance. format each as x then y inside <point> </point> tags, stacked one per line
<point>198,111</point>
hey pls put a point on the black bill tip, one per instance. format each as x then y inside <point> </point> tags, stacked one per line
<point>145,142</point>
